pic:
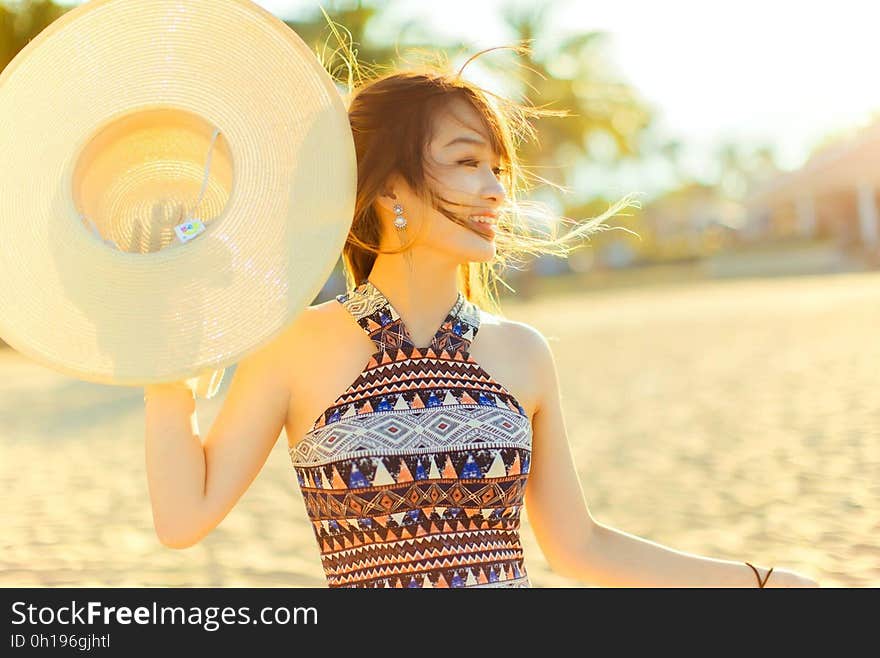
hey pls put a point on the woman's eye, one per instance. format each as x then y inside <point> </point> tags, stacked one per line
<point>498,170</point>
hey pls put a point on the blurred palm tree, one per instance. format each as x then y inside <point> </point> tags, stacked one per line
<point>351,22</point>
<point>21,21</point>
<point>573,74</point>
<point>355,16</point>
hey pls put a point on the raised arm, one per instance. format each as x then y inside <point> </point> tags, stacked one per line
<point>193,484</point>
<point>578,546</point>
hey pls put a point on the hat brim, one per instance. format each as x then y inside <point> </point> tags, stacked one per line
<point>72,303</point>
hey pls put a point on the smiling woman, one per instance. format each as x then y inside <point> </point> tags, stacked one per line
<point>420,424</point>
<point>449,146</point>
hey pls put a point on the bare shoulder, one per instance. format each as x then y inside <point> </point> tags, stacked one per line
<point>314,322</point>
<point>292,345</point>
<point>518,354</point>
<point>326,351</point>
<point>515,337</point>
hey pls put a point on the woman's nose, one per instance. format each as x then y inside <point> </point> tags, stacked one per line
<point>494,190</point>
<point>495,193</point>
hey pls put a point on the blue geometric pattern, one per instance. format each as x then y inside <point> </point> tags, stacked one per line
<point>415,476</point>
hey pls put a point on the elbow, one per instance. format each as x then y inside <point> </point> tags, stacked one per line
<point>565,567</point>
<point>561,559</point>
<point>178,538</point>
<point>180,527</point>
<point>173,541</point>
<point>574,560</point>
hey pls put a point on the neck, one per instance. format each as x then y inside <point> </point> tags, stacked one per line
<point>422,293</point>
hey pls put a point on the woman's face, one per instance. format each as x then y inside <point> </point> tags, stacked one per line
<point>462,168</point>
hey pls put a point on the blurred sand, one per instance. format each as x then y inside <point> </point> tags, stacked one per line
<point>734,419</point>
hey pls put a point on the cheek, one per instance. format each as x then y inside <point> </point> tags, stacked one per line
<point>442,230</point>
<point>459,184</point>
<point>445,236</point>
<point>448,236</point>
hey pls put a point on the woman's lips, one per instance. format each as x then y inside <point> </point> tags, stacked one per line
<point>488,230</point>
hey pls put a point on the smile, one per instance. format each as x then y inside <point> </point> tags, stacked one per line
<point>484,225</point>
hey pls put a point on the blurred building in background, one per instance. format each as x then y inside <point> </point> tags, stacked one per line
<point>693,221</point>
<point>834,195</point>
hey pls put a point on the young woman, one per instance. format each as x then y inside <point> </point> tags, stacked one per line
<point>419,422</point>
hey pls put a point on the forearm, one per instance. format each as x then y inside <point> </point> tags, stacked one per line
<point>618,559</point>
<point>175,461</point>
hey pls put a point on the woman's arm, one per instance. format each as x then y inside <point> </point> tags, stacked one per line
<point>575,544</point>
<point>193,484</point>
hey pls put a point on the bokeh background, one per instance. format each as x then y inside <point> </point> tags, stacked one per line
<point>719,359</point>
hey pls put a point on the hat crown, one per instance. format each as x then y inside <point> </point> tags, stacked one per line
<point>141,175</point>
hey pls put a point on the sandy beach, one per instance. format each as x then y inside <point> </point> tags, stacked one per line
<point>737,419</point>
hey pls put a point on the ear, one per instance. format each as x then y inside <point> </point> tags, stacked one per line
<point>387,198</point>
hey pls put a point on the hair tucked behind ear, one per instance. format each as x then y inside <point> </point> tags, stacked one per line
<point>390,114</point>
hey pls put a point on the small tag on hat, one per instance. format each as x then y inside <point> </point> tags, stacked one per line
<point>189,229</point>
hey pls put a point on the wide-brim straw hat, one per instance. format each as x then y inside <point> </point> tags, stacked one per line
<point>122,124</point>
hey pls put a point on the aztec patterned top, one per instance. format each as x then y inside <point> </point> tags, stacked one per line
<point>415,476</point>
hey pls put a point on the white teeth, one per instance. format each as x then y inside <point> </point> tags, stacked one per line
<point>482,218</point>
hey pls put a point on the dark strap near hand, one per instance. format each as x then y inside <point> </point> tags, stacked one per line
<point>758,575</point>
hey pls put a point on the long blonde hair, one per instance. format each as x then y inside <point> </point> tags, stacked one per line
<point>390,116</point>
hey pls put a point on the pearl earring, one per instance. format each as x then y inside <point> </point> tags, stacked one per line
<point>399,220</point>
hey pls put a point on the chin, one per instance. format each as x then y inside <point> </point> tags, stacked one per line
<point>478,253</point>
<point>467,245</point>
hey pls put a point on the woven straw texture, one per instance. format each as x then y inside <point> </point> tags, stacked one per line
<point>109,114</point>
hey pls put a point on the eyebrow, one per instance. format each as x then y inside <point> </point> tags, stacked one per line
<point>466,140</point>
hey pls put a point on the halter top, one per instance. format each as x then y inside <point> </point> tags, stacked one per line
<point>415,476</point>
